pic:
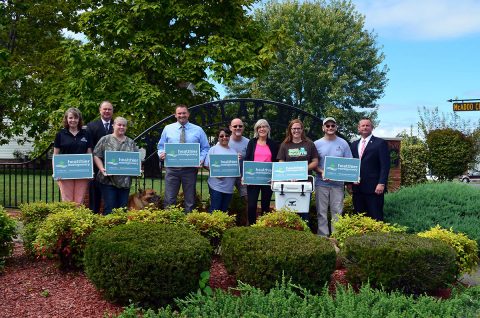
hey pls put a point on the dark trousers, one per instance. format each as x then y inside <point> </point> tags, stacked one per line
<point>113,198</point>
<point>94,196</point>
<point>219,201</point>
<point>187,177</point>
<point>253,191</point>
<point>371,204</point>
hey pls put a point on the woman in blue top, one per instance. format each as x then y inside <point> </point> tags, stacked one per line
<point>221,189</point>
<point>72,139</point>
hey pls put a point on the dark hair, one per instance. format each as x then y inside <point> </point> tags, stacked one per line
<point>289,136</point>
<point>76,113</point>
<point>225,130</point>
<point>106,101</point>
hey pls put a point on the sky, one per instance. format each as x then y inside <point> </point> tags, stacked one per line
<point>432,48</point>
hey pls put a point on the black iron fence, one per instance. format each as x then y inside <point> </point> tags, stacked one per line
<point>29,181</point>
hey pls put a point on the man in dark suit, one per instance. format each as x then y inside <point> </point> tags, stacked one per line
<point>97,129</point>
<point>368,194</point>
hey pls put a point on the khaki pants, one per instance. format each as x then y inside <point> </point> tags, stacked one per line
<point>73,190</point>
<point>325,197</point>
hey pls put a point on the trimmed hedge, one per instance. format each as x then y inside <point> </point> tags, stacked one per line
<point>258,256</point>
<point>146,263</point>
<point>397,261</point>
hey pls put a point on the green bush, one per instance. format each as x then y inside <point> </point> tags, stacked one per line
<point>259,256</point>
<point>63,235</point>
<point>171,215</point>
<point>7,231</point>
<point>210,225</point>
<point>449,152</point>
<point>33,215</point>
<point>287,300</point>
<point>355,224</point>
<point>146,263</point>
<point>413,155</point>
<point>284,218</point>
<point>399,261</point>
<point>466,249</point>
<point>449,204</point>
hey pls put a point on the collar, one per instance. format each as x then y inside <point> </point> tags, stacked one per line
<point>367,139</point>
<point>180,125</point>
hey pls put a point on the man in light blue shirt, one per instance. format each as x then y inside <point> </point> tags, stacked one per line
<point>187,176</point>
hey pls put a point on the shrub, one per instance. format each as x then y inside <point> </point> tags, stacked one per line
<point>210,225</point>
<point>148,263</point>
<point>284,218</point>
<point>449,152</point>
<point>449,204</point>
<point>259,256</point>
<point>349,225</point>
<point>348,208</point>
<point>63,235</point>
<point>413,154</point>
<point>400,261</point>
<point>238,207</point>
<point>466,249</point>
<point>117,217</point>
<point>288,300</point>
<point>171,215</point>
<point>33,215</point>
<point>7,231</point>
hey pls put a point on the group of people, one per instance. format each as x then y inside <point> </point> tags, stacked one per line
<point>105,134</point>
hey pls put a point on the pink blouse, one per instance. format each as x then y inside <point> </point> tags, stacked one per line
<point>262,153</point>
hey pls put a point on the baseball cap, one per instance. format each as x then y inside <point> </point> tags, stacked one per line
<point>329,119</point>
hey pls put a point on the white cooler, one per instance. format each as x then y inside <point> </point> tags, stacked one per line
<point>293,195</point>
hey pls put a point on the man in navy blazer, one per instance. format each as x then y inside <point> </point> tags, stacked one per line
<point>368,194</point>
<point>97,129</point>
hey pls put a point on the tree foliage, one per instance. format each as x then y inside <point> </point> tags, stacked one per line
<point>325,60</point>
<point>413,156</point>
<point>449,152</point>
<point>142,55</point>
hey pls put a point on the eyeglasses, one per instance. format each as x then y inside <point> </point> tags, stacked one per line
<point>224,136</point>
<point>297,128</point>
<point>331,126</point>
<point>237,126</point>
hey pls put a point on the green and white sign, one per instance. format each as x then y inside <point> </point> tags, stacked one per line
<point>123,163</point>
<point>291,170</point>
<point>257,173</point>
<point>224,166</point>
<point>342,169</point>
<point>79,166</point>
<point>182,155</point>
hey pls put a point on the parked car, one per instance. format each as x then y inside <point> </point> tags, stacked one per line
<point>472,175</point>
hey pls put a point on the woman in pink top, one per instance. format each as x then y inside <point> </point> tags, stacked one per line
<point>260,148</point>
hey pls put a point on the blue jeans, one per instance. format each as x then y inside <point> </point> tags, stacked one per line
<point>219,200</point>
<point>114,197</point>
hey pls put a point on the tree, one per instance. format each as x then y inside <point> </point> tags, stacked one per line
<point>449,152</point>
<point>145,56</point>
<point>30,41</point>
<point>325,60</point>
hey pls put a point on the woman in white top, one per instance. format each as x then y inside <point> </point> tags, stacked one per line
<point>220,188</point>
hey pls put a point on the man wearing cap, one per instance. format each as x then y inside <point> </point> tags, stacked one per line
<point>329,193</point>
<point>368,195</point>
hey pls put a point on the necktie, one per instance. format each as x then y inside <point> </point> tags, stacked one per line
<point>106,128</point>
<point>362,149</point>
<point>182,135</point>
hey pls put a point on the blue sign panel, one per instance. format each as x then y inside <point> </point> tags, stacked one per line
<point>342,169</point>
<point>224,166</point>
<point>73,166</point>
<point>257,173</point>
<point>182,155</point>
<point>291,170</point>
<point>123,163</point>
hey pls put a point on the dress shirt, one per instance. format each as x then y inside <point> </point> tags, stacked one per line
<point>367,140</point>
<point>193,134</point>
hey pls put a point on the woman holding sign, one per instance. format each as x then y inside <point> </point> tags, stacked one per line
<point>220,188</point>
<point>115,189</point>
<point>72,139</point>
<point>297,147</point>
<point>263,149</point>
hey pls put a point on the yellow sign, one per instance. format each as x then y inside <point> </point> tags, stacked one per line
<point>464,107</point>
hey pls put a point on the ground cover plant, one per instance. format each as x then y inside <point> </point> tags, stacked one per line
<point>448,204</point>
<point>288,300</point>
